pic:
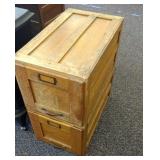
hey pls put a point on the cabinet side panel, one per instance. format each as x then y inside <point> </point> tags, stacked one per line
<point>76,100</point>
<point>99,84</point>
<point>24,85</point>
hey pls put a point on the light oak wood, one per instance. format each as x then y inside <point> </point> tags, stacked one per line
<point>65,75</point>
<point>64,135</point>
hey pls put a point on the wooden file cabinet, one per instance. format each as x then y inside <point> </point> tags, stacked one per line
<point>65,75</point>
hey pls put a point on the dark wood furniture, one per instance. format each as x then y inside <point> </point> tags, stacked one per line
<point>44,14</point>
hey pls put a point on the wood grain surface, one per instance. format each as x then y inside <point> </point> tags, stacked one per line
<point>65,75</point>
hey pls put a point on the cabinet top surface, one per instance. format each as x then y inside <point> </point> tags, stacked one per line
<point>71,44</point>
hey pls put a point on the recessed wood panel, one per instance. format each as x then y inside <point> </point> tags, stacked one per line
<point>83,53</point>
<point>52,45</point>
<point>50,98</point>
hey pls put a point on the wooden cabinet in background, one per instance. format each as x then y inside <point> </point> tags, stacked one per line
<point>65,75</point>
<point>44,14</point>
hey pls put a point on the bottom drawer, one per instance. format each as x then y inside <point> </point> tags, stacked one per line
<point>58,133</point>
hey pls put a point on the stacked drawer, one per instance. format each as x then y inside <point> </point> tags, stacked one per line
<point>65,76</point>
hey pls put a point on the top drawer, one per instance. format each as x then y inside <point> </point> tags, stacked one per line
<point>57,97</point>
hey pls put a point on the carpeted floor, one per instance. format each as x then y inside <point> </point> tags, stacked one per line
<point>120,129</point>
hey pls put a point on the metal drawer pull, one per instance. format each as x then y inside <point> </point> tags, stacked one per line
<point>52,114</point>
<point>47,79</point>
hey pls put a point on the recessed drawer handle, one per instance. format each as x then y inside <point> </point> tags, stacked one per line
<point>52,114</point>
<point>47,79</point>
<point>53,124</point>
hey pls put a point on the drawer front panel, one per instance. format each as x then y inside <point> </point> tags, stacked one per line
<point>55,132</point>
<point>50,98</point>
<point>50,94</point>
<point>51,130</point>
<point>56,97</point>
